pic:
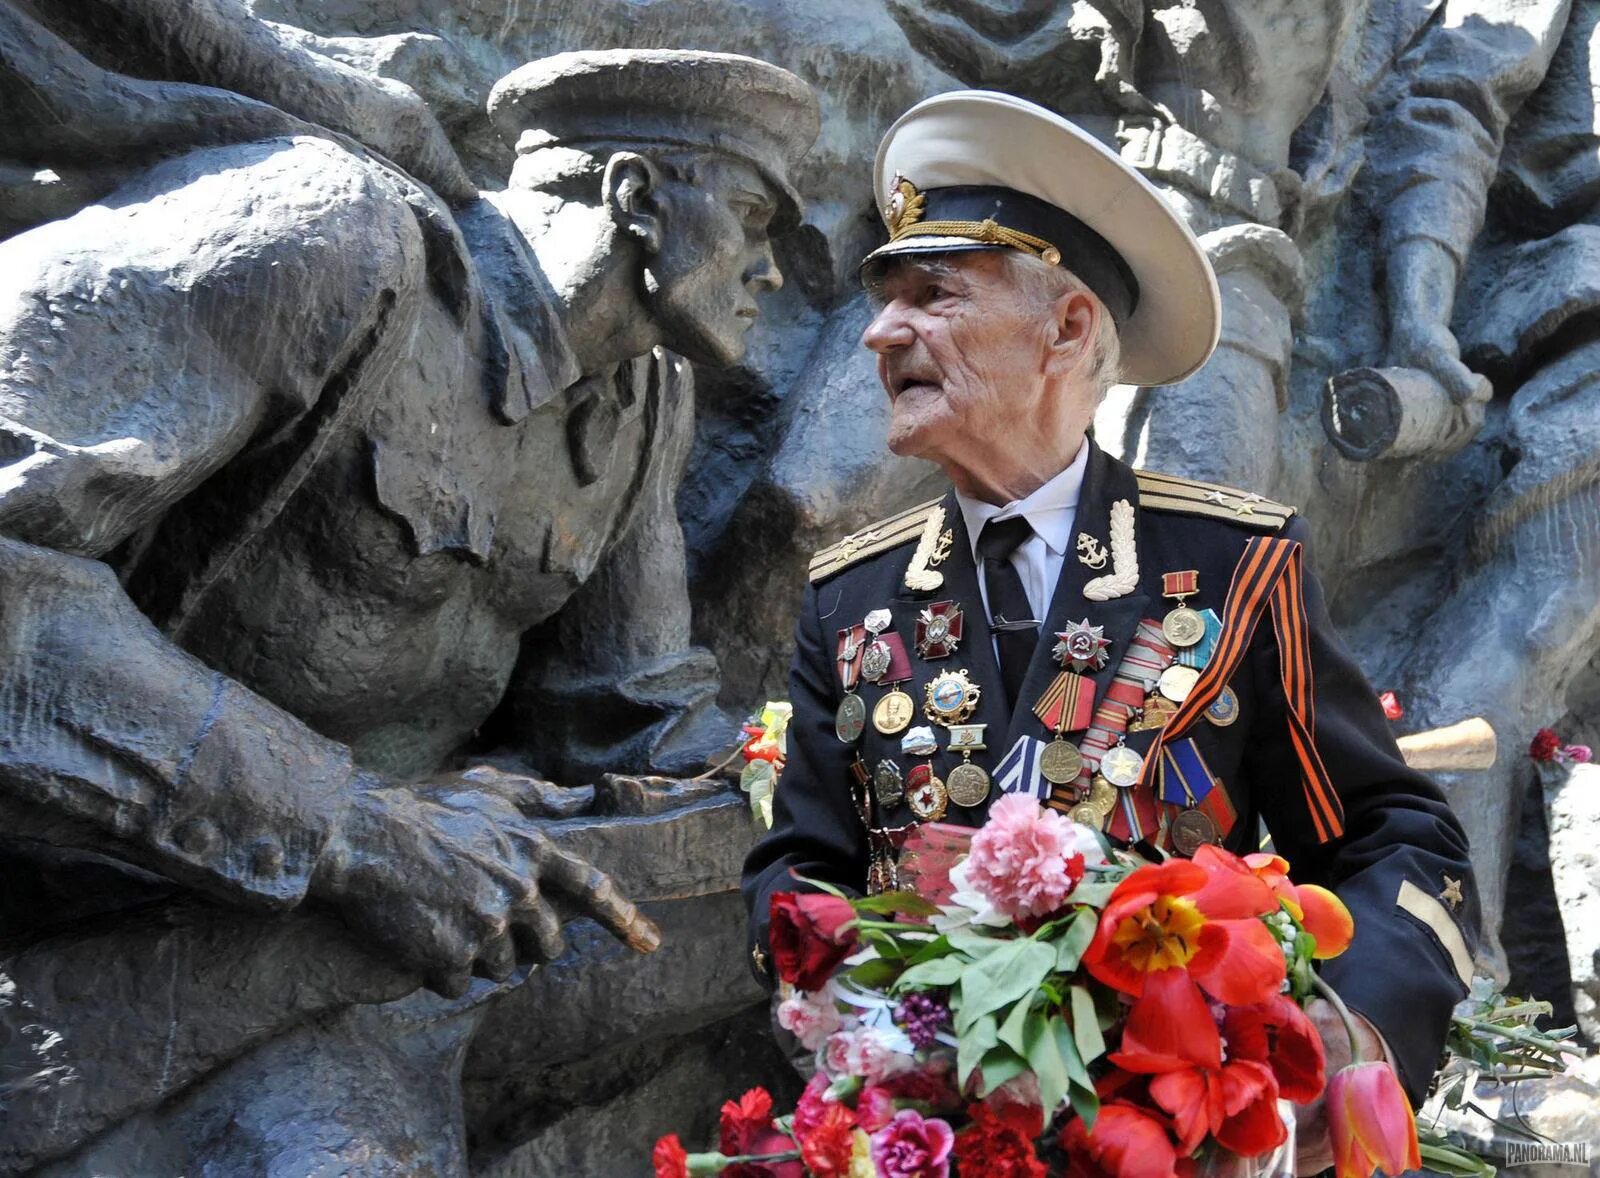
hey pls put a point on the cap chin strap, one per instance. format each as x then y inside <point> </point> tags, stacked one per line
<point>987,231</point>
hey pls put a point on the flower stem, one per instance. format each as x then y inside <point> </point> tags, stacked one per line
<point>1345,1016</point>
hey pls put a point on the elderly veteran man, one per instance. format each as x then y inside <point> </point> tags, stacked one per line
<point>1145,653</point>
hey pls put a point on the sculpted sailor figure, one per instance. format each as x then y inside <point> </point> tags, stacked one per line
<point>293,462</point>
<point>1148,654</point>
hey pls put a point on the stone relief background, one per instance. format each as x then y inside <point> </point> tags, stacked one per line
<point>1466,580</point>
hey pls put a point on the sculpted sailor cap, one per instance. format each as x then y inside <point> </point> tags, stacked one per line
<point>975,169</point>
<point>673,97</point>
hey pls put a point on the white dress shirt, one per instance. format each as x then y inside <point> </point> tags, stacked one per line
<point>1050,511</point>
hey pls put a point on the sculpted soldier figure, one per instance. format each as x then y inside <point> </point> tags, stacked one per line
<point>1095,633</point>
<point>293,463</point>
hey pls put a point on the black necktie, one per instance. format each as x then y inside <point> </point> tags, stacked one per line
<point>1008,602</point>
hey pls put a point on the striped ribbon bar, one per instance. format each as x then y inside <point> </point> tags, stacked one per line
<point>1270,575</point>
<point>1067,704</point>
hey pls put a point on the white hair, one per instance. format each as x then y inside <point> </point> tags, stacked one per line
<point>1045,284</point>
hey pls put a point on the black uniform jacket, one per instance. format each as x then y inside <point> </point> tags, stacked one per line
<point>1401,845</point>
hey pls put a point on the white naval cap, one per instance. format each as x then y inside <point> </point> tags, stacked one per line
<point>976,169</point>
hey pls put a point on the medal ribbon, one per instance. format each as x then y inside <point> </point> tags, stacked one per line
<point>851,638</point>
<point>1270,574</point>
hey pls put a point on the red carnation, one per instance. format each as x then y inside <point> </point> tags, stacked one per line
<point>1545,745</point>
<point>826,1148</point>
<point>999,1143</point>
<point>808,936</point>
<point>669,1158</point>
<point>745,1120</point>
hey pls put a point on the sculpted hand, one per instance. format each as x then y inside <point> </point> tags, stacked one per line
<point>1313,1145</point>
<point>1421,287</point>
<point>455,881</point>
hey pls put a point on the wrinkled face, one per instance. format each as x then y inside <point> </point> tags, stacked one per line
<point>961,352</point>
<point>714,258</point>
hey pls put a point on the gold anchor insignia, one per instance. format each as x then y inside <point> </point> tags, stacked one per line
<point>1091,552</point>
<point>905,205</point>
<point>1452,893</point>
<point>942,548</point>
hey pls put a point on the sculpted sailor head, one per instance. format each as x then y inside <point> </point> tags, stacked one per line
<point>1027,270</point>
<point>653,181</point>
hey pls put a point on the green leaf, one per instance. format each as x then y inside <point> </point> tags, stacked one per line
<point>1075,941</point>
<point>1086,1026</point>
<point>1042,1050</point>
<point>1077,1072</point>
<point>1011,972</point>
<point>1447,1159</point>
<point>976,944</point>
<point>1086,1103</point>
<point>941,971</point>
<point>887,903</point>
<point>1011,1026</point>
<point>998,1065</point>
<point>930,950</point>
<point>972,1046</point>
<point>1094,892</point>
<point>876,974</point>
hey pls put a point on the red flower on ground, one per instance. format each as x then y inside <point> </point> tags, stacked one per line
<point>1544,745</point>
<point>1391,705</point>
<point>809,1110</point>
<point>808,936</point>
<point>744,1120</point>
<point>1318,910</point>
<point>1278,1034</point>
<point>999,1143</point>
<point>1370,1121</point>
<point>826,1148</point>
<point>1126,1142</point>
<point>669,1158</point>
<point>1198,917</point>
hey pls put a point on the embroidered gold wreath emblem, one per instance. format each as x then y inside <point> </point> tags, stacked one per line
<point>905,205</point>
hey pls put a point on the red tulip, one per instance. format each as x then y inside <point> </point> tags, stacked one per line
<point>1126,1142</point>
<point>1319,911</point>
<point>1278,1034</point>
<point>809,936</point>
<point>1199,916</point>
<point>1370,1121</point>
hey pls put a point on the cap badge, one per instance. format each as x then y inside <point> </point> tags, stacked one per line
<point>905,205</point>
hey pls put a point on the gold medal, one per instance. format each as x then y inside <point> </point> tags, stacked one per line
<point>1157,710</point>
<point>1060,762</point>
<point>1183,626</point>
<point>950,697</point>
<point>1086,815</point>
<point>1176,682</point>
<point>1191,830</point>
<point>1102,795</point>
<point>1121,766</point>
<point>894,712</point>
<point>1224,710</point>
<point>967,785</point>
<point>850,721</point>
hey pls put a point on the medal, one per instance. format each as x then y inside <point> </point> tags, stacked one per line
<point>1176,682</point>
<point>877,657</point>
<point>1084,646</point>
<point>939,629</point>
<point>1067,705</point>
<point>926,794</point>
<point>1191,830</point>
<point>1121,766</point>
<point>1185,778</point>
<point>919,742</point>
<point>1102,795</point>
<point>1198,655</point>
<point>1224,710</point>
<point>967,784</point>
<point>1086,815</point>
<point>1183,626</point>
<point>1061,762</point>
<point>950,697</point>
<point>888,785</point>
<point>1155,713</point>
<point>893,712</point>
<point>850,720</point>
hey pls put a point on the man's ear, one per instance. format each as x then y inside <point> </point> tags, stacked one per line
<point>1074,320</point>
<point>632,186</point>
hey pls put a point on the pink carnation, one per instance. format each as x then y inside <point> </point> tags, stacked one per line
<point>865,1053</point>
<point>1027,859</point>
<point>912,1146</point>
<point>810,1018</point>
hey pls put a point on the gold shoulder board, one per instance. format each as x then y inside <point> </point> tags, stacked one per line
<point>871,540</point>
<point>1168,492</point>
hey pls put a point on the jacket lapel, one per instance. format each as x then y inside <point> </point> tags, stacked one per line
<point>1105,482</point>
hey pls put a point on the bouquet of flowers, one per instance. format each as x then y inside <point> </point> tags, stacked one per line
<point>1040,1005</point>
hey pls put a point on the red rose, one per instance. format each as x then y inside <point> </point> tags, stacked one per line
<point>999,1143</point>
<point>1545,744</point>
<point>826,1149</point>
<point>1391,705</point>
<point>744,1120</point>
<point>808,937</point>
<point>669,1158</point>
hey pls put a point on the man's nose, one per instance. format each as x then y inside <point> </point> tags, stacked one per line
<point>888,330</point>
<point>763,272</point>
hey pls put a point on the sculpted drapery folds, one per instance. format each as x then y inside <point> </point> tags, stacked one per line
<point>294,456</point>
